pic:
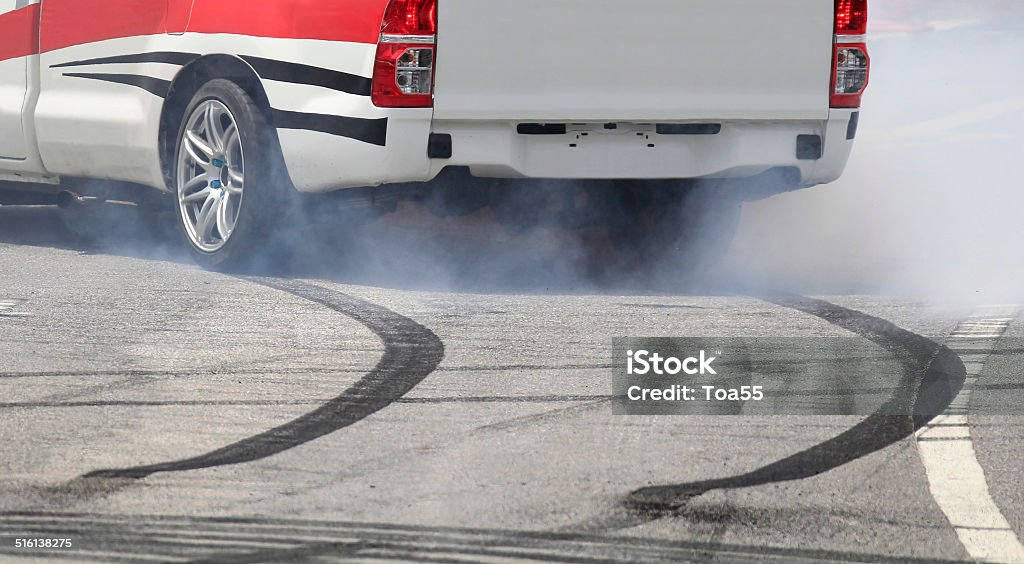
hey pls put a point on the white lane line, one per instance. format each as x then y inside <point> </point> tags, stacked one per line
<point>955,477</point>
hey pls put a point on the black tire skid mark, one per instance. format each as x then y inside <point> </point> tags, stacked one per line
<point>933,375</point>
<point>278,372</point>
<point>210,373</point>
<point>555,399</point>
<point>929,365</point>
<point>226,539</point>
<point>71,397</point>
<point>411,353</point>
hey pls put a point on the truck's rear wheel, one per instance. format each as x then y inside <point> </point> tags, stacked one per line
<point>227,178</point>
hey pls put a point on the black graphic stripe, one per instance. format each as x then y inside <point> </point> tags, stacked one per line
<point>373,131</point>
<point>168,57</point>
<point>296,73</point>
<point>155,86</point>
<point>411,353</point>
<point>269,69</point>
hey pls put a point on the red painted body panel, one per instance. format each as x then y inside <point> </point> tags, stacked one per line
<point>356,21</point>
<point>19,35</point>
<point>178,13</point>
<point>75,22</point>
<point>66,23</point>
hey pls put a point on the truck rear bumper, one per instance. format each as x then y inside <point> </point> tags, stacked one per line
<point>627,150</point>
<point>506,149</point>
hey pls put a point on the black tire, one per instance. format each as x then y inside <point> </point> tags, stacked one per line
<point>267,198</point>
<point>684,229</point>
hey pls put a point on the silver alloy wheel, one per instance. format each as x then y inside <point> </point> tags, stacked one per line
<point>211,175</point>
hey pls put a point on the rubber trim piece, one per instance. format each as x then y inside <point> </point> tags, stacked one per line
<point>541,129</point>
<point>809,147</point>
<point>851,129</point>
<point>439,146</point>
<point>688,128</point>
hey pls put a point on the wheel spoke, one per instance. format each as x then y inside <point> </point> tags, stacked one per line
<point>197,148</point>
<point>198,181</point>
<point>198,196</point>
<point>237,179</point>
<point>206,218</point>
<point>224,222</point>
<point>229,138</point>
<point>212,125</point>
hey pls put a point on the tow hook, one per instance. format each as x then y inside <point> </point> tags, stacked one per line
<point>67,199</point>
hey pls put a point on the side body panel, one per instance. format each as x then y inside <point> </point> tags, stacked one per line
<point>93,122</point>
<point>179,12</point>
<point>18,42</point>
<point>104,85</point>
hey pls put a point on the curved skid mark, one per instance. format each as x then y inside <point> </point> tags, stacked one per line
<point>411,353</point>
<point>933,375</point>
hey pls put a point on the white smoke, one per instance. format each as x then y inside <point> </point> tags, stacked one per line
<point>931,203</point>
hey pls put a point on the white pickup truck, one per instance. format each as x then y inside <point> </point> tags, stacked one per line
<point>229,106</point>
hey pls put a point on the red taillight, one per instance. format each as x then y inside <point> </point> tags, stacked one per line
<point>851,17</point>
<point>410,17</point>
<point>851,69</point>
<point>851,65</point>
<point>403,72</point>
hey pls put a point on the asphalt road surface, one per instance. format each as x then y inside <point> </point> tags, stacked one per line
<point>441,393</point>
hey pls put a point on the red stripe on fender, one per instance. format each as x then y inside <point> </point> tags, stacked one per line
<point>66,23</point>
<point>356,21</point>
<point>75,22</point>
<point>19,33</point>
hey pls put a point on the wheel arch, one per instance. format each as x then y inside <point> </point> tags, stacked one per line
<point>185,85</point>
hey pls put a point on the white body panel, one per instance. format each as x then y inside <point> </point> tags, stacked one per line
<point>13,93</point>
<point>321,163</point>
<point>741,149</point>
<point>98,128</point>
<point>95,128</point>
<point>13,90</point>
<point>633,60</point>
